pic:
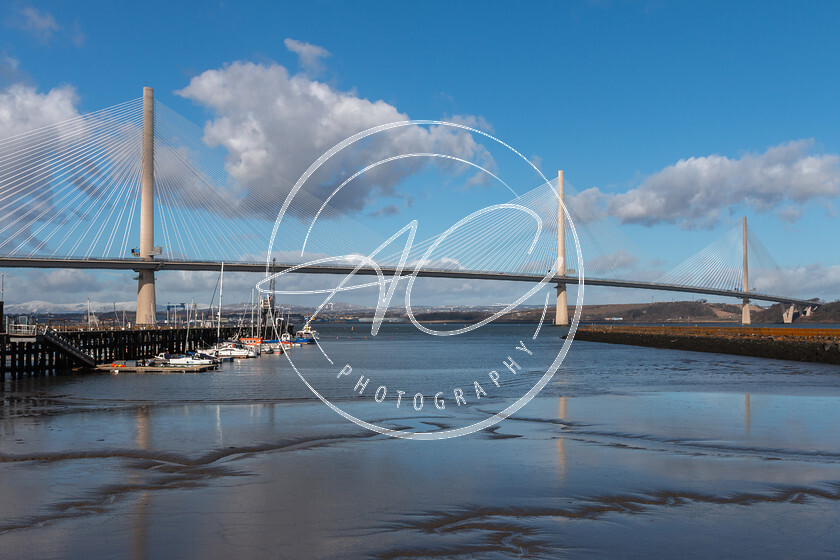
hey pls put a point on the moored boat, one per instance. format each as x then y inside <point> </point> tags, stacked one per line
<point>306,335</point>
<point>178,360</point>
<point>286,341</point>
<point>234,350</point>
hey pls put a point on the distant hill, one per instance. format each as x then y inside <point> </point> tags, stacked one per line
<point>664,312</point>
<point>698,311</point>
<point>680,311</point>
<point>46,307</point>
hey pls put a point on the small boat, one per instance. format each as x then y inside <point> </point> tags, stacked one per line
<point>271,346</point>
<point>233,350</point>
<point>213,353</point>
<point>306,335</point>
<point>178,360</point>
<point>204,356</point>
<point>286,341</point>
<point>250,341</point>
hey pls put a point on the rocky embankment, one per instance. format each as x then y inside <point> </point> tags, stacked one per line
<point>798,344</point>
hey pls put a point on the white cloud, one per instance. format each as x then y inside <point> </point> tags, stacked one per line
<point>10,71</point>
<point>695,192</point>
<point>310,57</point>
<point>274,125</point>
<point>603,265</point>
<point>41,25</point>
<point>477,122</point>
<point>790,214</point>
<point>23,109</point>
<point>77,36</point>
<point>64,280</point>
<point>587,206</point>
<point>809,281</point>
<point>9,63</point>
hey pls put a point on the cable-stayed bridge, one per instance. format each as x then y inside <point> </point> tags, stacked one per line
<point>97,192</point>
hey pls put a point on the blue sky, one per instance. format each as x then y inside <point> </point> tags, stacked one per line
<point>616,93</point>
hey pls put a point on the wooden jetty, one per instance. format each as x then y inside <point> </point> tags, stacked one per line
<point>117,368</point>
<point>35,350</point>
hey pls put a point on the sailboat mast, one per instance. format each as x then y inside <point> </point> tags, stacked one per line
<point>219,321</point>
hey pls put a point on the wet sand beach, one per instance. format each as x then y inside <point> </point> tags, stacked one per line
<point>628,453</point>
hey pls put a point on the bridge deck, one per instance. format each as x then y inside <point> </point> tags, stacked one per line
<point>159,265</point>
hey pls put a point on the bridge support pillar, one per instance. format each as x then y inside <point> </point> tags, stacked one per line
<point>146,281</point>
<point>745,309</point>
<point>808,310</point>
<point>146,298</point>
<point>745,312</point>
<point>787,316</point>
<point>561,315</point>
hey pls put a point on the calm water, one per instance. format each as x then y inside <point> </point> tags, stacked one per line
<point>627,453</point>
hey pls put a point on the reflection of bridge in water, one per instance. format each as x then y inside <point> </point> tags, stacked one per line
<point>39,172</point>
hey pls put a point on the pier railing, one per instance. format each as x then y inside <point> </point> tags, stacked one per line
<point>21,330</point>
<point>54,338</point>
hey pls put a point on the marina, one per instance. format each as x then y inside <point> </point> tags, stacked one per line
<point>33,351</point>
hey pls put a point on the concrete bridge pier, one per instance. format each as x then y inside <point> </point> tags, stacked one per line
<point>788,315</point>
<point>561,317</point>
<point>745,312</point>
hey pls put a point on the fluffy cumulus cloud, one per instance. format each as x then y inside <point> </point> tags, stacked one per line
<point>808,281</point>
<point>477,122</point>
<point>695,192</point>
<point>274,124</point>
<point>586,206</point>
<point>23,108</point>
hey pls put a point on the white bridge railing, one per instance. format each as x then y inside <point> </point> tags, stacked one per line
<point>27,330</point>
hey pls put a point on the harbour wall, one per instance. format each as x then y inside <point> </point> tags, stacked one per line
<point>797,344</point>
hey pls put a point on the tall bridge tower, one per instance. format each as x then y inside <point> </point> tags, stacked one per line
<point>146,277</point>
<point>561,315</point>
<point>745,308</point>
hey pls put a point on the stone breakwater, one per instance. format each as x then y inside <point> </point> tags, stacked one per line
<point>798,344</point>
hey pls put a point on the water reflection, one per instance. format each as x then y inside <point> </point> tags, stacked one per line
<point>140,528</point>
<point>219,434</point>
<point>561,442</point>
<point>747,415</point>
